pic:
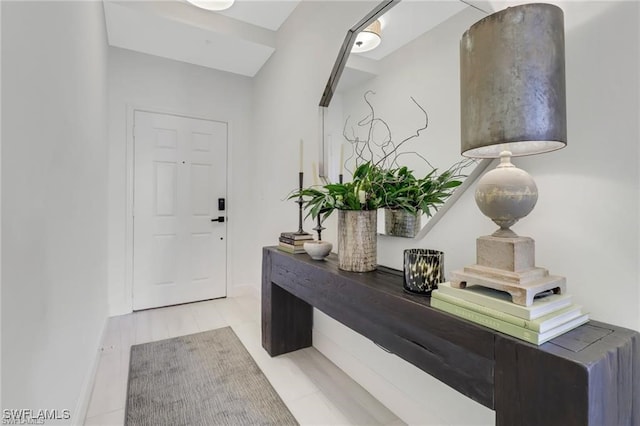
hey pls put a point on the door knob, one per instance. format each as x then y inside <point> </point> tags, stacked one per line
<point>219,219</point>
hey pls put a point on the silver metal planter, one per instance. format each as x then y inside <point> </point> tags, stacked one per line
<point>357,240</point>
<point>401,223</point>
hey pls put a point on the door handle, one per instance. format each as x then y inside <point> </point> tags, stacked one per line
<point>219,219</point>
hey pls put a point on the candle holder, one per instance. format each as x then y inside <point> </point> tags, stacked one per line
<point>300,202</point>
<point>319,228</point>
<point>340,177</point>
<point>319,249</point>
<point>423,270</point>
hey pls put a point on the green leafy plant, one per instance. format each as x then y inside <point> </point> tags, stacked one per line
<point>373,187</point>
<point>402,190</point>
<point>364,192</point>
<point>378,179</point>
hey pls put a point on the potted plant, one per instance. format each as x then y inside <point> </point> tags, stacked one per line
<point>404,197</point>
<point>357,203</point>
<point>378,182</point>
<point>407,197</point>
<point>364,192</point>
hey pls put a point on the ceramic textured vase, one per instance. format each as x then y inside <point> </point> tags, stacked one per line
<point>401,223</point>
<point>357,240</point>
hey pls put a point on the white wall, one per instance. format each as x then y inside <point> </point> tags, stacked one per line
<point>0,206</point>
<point>287,92</point>
<point>54,202</point>
<point>426,69</point>
<point>585,223</point>
<point>140,80</point>
<point>584,233</point>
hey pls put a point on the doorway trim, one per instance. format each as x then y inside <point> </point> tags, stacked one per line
<point>129,178</point>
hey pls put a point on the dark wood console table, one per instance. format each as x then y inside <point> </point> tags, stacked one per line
<point>588,376</point>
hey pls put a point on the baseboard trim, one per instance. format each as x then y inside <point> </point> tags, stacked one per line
<point>82,407</point>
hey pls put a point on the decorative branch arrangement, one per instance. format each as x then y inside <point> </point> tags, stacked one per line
<point>387,154</point>
<point>379,181</point>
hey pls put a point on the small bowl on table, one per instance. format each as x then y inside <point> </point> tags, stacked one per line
<point>318,250</point>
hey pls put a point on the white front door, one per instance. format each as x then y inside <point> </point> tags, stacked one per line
<point>180,172</point>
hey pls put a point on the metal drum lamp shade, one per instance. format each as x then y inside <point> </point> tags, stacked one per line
<point>512,83</point>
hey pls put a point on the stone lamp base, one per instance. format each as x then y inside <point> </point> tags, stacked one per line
<point>508,264</point>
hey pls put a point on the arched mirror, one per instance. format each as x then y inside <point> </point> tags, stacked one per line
<point>410,81</point>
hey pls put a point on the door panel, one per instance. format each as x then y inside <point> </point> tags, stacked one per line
<point>179,174</point>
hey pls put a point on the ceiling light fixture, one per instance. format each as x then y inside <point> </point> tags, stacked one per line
<point>213,5</point>
<point>368,39</point>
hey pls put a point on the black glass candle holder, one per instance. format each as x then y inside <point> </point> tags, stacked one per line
<point>423,270</point>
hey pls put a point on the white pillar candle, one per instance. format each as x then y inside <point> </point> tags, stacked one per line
<point>314,172</point>
<point>301,155</point>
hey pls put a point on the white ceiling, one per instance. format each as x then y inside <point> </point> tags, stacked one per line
<point>267,14</point>
<point>239,40</point>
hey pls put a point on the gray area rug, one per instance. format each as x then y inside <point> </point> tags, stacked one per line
<point>201,379</point>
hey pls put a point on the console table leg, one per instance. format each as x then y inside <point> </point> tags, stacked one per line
<point>533,387</point>
<point>287,321</point>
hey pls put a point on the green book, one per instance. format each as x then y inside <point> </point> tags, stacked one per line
<point>541,324</point>
<point>506,327</point>
<point>501,300</point>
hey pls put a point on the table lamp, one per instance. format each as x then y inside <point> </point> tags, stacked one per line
<point>512,84</point>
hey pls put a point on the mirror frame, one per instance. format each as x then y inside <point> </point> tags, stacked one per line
<point>336,73</point>
<point>329,91</point>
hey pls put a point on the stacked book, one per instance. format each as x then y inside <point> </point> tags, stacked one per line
<point>293,242</point>
<point>549,316</point>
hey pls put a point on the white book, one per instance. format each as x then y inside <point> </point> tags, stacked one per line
<point>502,301</point>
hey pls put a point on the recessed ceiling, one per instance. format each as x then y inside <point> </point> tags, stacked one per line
<point>238,40</point>
<point>242,38</point>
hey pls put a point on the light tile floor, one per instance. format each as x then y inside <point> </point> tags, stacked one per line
<point>315,390</point>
